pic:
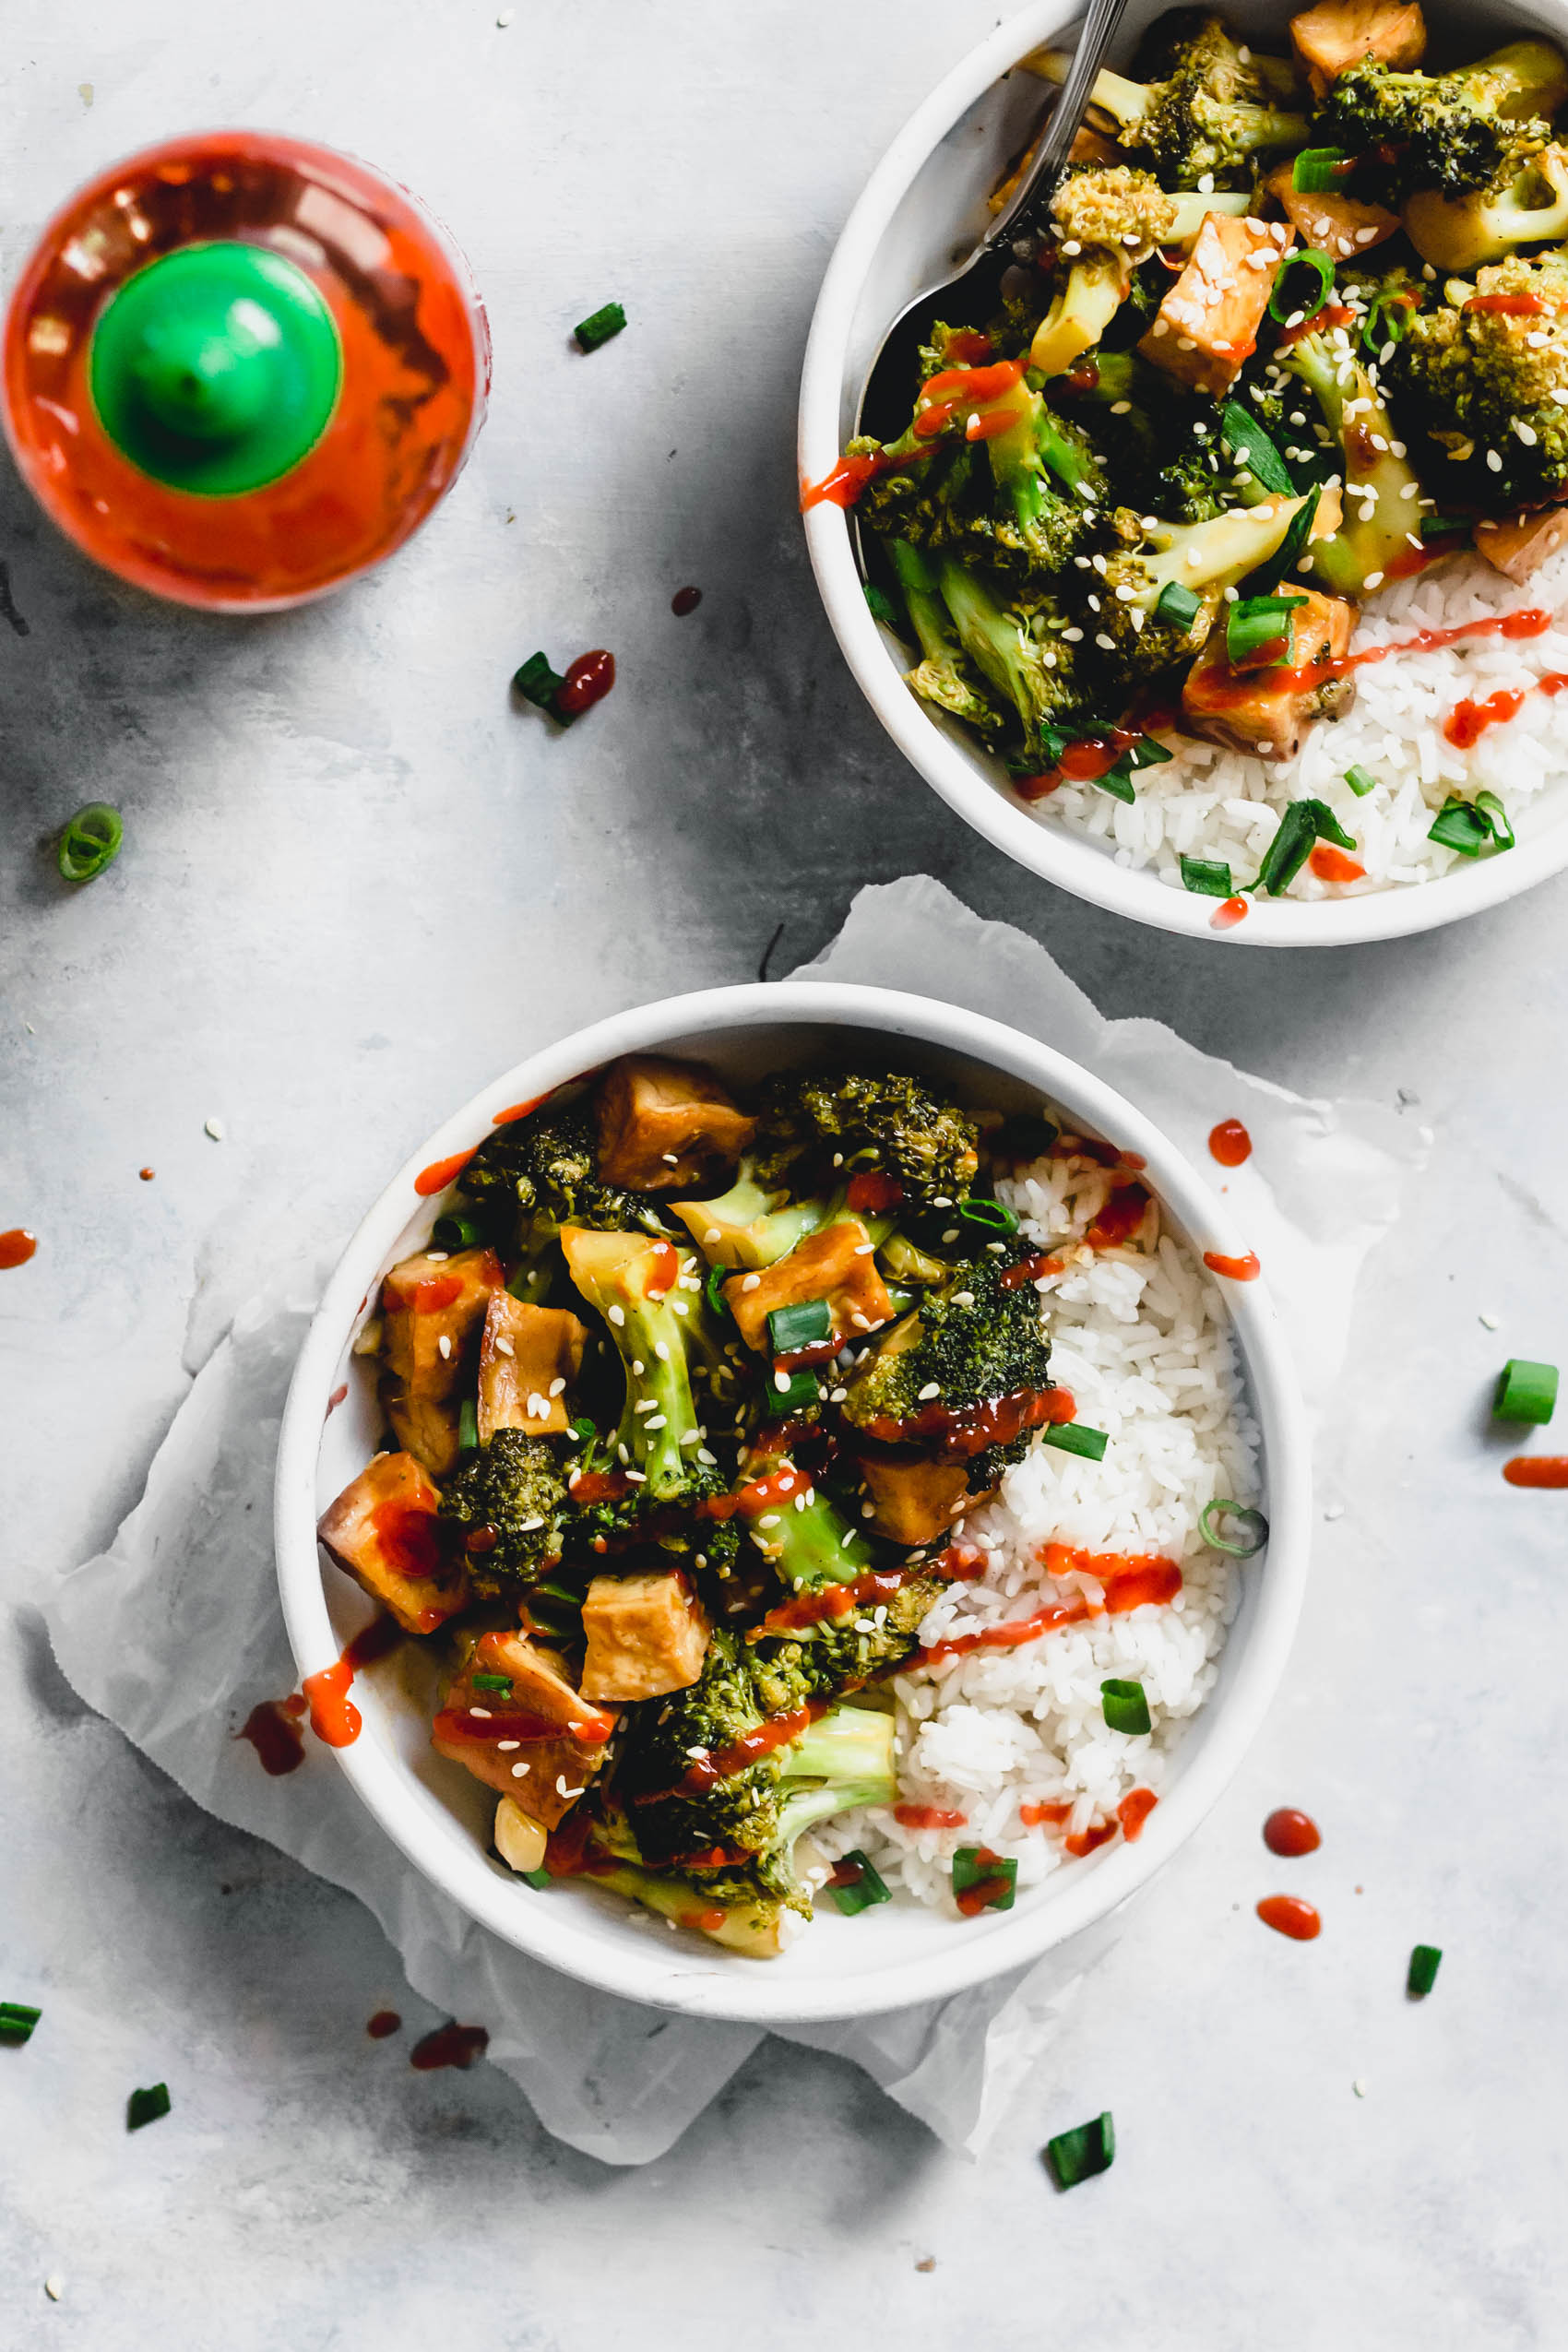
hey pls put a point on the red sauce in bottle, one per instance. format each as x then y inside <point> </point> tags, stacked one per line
<point>1245,1269</point>
<point>1536,1469</point>
<point>1287,1915</point>
<point>1332,864</point>
<point>1134,1811</point>
<point>929,1817</point>
<point>1230,1143</point>
<point>1292,1833</point>
<point>449,2045</point>
<point>685,600</point>
<point>16,1246</point>
<point>334,1718</point>
<point>442,1172</point>
<point>385,2022</point>
<point>587,681</point>
<point>273,1731</point>
<point>1227,917</point>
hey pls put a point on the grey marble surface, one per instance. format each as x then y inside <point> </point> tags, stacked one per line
<point>352,875</point>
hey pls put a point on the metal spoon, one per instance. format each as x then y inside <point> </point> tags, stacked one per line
<point>975,293</point>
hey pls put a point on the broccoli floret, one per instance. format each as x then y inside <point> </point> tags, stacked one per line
<point>1464,380</point>
<point>514,1487</point>
<point>1526,205</point>
<point>1204,107</point>
<point>1108,221</point>
<point>1452,132</point>
<point>840,1654</point>
<point>543,1171</point>
<point>1380,494</point>
<point>840,1123</point>
<point>1131,639</point>
<point>978,1338</point>
<point>943,677</point>
<point>1162,465</point>
<point>1023,651</point>
<point>795,1525</point>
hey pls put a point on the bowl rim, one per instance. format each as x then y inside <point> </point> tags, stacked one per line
<point>1073,862</point>
<point>564,1935</point>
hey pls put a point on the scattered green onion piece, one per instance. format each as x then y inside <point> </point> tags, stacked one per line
<point>467,1427</point>
<point>1361,781</point>
<point>882,607</point>
<point>582,1427</point>
<point>1249,1528</point>
<point>1388,318</point>
<point>1265,577</point>
<point>1492,808</point>
<point>145,2106</point>
<point>562,1595</point>
<point>536,1877</point>
<point>1177,604</point>
<point>1079,2155</point>
<point>992,1217</point>
<point>493,1682</point>
<point>806,1325</point>
<point>1319,171</point>
<point>1281,306</point>
<point>1072,1437</point>
<point>1445,526</point>
<point>537,683</point>
<point>89,842</point>
<point>970,1871</point>
<point>1117,782</point>
<point>600,328</point>
<point>1525,1392</point>
<point>1459,827</point>
<point>455,1232</point>
<point>1210,876</point>
<point>1303,822</point>
<point>1126,1707</point>
<point>862,1893</point>
<point>1147,752</point>
<point>18,2019</point>
<point>801,1391</point>
<point>1246,439</point>
<point>1253,624</point>
<point>1425,1961</point>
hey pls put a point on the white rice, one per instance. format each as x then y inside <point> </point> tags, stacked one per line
<point>1140,1338</point>
<point>1217,804</point>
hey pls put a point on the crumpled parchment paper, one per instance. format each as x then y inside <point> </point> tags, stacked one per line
<point>174,1633</point>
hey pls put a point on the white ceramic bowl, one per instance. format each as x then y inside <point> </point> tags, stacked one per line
<point>440,1816</point>
<point>924,206</point>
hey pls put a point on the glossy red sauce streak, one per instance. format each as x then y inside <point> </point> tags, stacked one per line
<point>600,1486</point>
<point>1332,864</point>
<point>273,1731</point>
<point>505,1722</point>
<point>1468,721</point>
<point>384,2023</point>
<point>587,681</point>
<point>969,347</point>
<point>759,1495</point>
<point>969,1429</point>
<point>985,1890</point>
<point>1536,1469</point>
<point>929,1817</point>
<point>442,1172</point>
<point>1227,917</point>
<point>16,1246</point>
<point>1507,306</point>
<point>410,1541</point>
<point>1332,315</point>
<point>449,2045</point>
<point>960,1567</point>
<point>1134,1811</point>
<point>1287,1915</point>
<point>1230,1143</point>
<point>876,1190</point>
<point>519,1110</point>
<point>990,426</point>
<point>777,1732</point>
<point>334,1718</point>
<point>1085,1840</point>
<point>850,475</point>
<point>972,383</point>
<point>835,1600</point>
<point>1292,1833</point>
<point>1129,1583</point>
<point>661,1274</point>
<point>1081,762</point>
<point>1035,1269</point>
<point>1119,1219</point>
<point>685,600</point>
<point>1529,622</point>
<point>1243,1269</point>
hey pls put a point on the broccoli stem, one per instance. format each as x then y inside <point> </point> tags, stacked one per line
<point>850,1749</point>
<point>627,1278</point>
<point>803,1537</point>
<point>1381,492</point>
<point>940,677</point>
<point>998,646</point>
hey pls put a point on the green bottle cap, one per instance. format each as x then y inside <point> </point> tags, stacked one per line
<point>216,368</point>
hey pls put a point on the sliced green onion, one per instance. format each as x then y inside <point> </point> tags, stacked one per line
<point>806,1325</point>
<point>604,323</point>
<point>800,1393</point>
<point>1072,1437</point>
<point>1117,782</point>
<point>89,842</point>
<point>18,2019</point>
<point>562,1594</point>
<point>493,1682</point>
<point>970,1871</point>
<point>1459,827</point>
<point>1265,577</point>
<point>713,1288</point>
<point>1525,1392</point>
<point>1126,1707</point>
<point>1444,526</point>
<point>1425,1961</point>
<point>1245,439</point>
<point>583,1428</point>
<point>881,605</point>
<point>467,1427</point>
<point>1492,808</point>
<point>537,683</point>
<point>1361,781</point>
<point>455,1232</point>
<point>1177,604</point>
<point>1255,626</point>
<point>1210,876</point>
<point>1303,822</point>
<point>145,2106</point>
<point>859,1892</point>
<point>992,1217</point>
<point>536,1877</point>
<point>1079,2155</point>
<point>1319,171</point>
<point>1388,318</point>
<point>1248,1530</point>
<point>1147,752</point>
<point>1281,306</point>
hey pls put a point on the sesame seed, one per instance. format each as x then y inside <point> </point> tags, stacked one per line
<point>933,1388</point>
<point>1121,407</point>
<point>444,1345</point>
<point>1493,462</point>
<point>215,1128</point>
<point>507,1747</point>
<point>670,1158</point>
<point>1527,432</point>
<point>1107,644</point>
<point>618,1314</point>
<point>752,1282</point>
<point>518,1770</point>
<point>483,1713</point>
<point>436,1257</point>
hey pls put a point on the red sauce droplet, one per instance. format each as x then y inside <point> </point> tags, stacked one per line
<point>929,1817</point>
<point>338,1397</point>
<point>519,1110</point>
<point>1245,1269</point>
<point>660,1276</point>
<point>385,2022</point>
<point>16,1246</point>
<point>587,681</point>
<point>1331,865</point>
<point>1468,722</point>
<point>1230,1143</point>
<point>1032,1815</point>
<point>876,1190</point>
<point>147,1174</point>
<point>334,1718</point>
<point>1119,1219</point>
<point>449,2045</point>
<point>1134,1811</point>
<point>778,1731</point>
<point>1227,917</point>
<point>275,1737</point>
<point>441,1172</point>
<point>1035,1269</point>
<point>1287,1915</point>
<point>685,601</point>
<point>1536,1469</point>
<point>1087,1839</point>
<point>1292,1833</point>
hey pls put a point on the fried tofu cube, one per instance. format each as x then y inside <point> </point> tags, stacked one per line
<point>555,1739</point>
<point>646,1634</point>
<point>382,1531</point>
<point>1206,327</point>
<point>1520,547</point>
<point>432,1306</point>
<point>528,1358</point>
<point>1337,225</point>
<point>912,1499</point>
<point>1267,711</point>
<point>836,1262</point>
<point>426,1427</point>
<point>1337,34</point>
<point>662,1124</point>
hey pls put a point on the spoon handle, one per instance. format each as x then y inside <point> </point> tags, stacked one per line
<point>1051,155</point>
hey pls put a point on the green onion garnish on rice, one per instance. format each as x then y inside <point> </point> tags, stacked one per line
<point>600,327</point>
<point>1118,783</point>
<point>1361,781</point>
<point>455,1232</point>
<point>805,1325</point>
<point>1079,2153</point>
<point>992,1217</point>
<point>1525,1392</point>
<point>493,1682</point>
<point>1492,808</point>
<point>1424,1963</point>
<point>1126,1707</point>
<point>1303,822</point>
<point>1234,1527</point>
<point>1210,876</point>
<point>984,1881</point>
<point>1072,1437</point>
<point>145,2106</point>
<point>1467,827</point>
<point>856,1884</point>
<point>18,2019</point>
